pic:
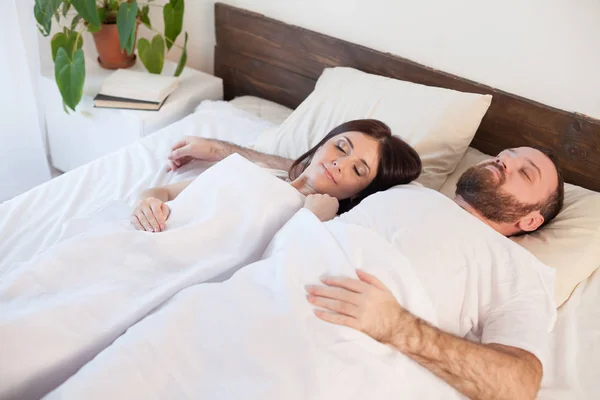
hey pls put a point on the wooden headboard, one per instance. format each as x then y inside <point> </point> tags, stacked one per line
<point>259,56</point>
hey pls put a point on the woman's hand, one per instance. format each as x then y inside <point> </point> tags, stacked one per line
<point>323,206</point>
<point>366,305</point>
<point>150,215</point>
<point>193,148</point>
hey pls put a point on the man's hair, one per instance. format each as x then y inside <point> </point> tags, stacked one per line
<point>550,207</point>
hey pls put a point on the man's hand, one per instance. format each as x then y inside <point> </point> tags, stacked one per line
<point>476,370</point>
<point>193,148</point>
<point>323,206</point>
<point>150,215</point>
<point>366,305</point>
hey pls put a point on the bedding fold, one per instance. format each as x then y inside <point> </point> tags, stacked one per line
<point>69,302</point>
<point>255,336</point>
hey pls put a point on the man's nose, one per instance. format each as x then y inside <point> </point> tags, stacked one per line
<point>507,163</point>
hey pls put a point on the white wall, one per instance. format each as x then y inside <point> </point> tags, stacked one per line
<point>545,50</point>
<point>22,154</point>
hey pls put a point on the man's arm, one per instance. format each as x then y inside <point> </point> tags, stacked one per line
<point>478,371</point>
<point>213,150</point>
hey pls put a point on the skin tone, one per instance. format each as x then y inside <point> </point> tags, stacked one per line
<point>342,167</point>
<point>529,175</point>
<point>479,371</point>
<point>366,304</point>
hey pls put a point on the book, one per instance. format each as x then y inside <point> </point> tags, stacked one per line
<point>104,101</point>
<point>135,85</point>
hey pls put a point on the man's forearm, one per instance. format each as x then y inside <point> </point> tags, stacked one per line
<point>225,149</point>
<point>478,371</point>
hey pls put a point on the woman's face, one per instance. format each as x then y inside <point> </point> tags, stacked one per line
<point>344,166</point>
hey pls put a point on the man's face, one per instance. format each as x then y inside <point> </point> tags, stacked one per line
<point>511,187</point>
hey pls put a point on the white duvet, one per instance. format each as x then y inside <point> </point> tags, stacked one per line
<point>253,336</point>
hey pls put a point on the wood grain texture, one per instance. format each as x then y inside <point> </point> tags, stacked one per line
<point>259,56</point>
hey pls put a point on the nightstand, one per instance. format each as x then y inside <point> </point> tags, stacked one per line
<point>79,137</point>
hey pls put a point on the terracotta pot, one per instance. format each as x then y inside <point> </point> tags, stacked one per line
<point>110,55</point>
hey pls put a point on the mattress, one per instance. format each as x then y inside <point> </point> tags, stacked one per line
<point>33,221</point>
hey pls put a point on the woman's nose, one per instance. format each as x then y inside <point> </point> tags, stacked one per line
<point>336,165</point>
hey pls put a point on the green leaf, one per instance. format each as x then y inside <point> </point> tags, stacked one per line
<point>88,11</point>
<point>75,21</point>
<point>183,59</point>
<point>152,54</point>
<point>126,25</point>
<point>102,14</point>
<point>65,8</point>
<point>68,40</point>
<point>144,16</point>
<point>113,5</point>
<point>93,28</point>
<point>43,11</point>
<point>57,16</point>
<point>173,17</point>
<point>70,76</point>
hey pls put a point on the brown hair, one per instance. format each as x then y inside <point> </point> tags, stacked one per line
<point>398,164</point>
<point>550,207</point>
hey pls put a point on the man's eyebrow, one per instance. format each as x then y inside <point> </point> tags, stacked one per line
<point>531,163</point>
<point>534,166</point>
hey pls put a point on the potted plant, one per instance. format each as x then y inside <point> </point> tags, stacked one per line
<point>114,25</point>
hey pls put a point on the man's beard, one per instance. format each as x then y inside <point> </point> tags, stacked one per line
<point>479,188</point>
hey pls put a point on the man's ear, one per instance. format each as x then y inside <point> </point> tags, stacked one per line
<point>530,222</point>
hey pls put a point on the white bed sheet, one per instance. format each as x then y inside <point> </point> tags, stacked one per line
<point>32,221</point>
<point>575,358</point>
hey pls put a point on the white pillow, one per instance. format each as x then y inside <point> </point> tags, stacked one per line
<point>570,243</point>
<point>265,109</point>
<point>438,123</point>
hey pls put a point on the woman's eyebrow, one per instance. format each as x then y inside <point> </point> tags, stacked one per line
<point>366,165</point>
<point>352,147</point>
<point>349,142</point>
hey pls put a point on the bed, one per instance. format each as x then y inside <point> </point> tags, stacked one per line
<point>267,59</point>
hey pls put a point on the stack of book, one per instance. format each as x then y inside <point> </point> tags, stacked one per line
<point>134,90</point>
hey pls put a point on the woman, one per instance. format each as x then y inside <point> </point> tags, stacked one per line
<point>353,161</point>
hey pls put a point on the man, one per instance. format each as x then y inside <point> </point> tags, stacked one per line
<point>505,317</point>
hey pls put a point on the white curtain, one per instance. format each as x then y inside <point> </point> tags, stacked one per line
<point>22,130</point>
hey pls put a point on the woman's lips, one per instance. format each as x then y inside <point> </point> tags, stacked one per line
<point>329,174</point>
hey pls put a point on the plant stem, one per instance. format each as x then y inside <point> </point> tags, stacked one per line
<point>167,39</point>
<point>150,4</point>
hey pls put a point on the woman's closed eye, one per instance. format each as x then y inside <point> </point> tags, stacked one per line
<point>361,169</point>
<point>342,146</point>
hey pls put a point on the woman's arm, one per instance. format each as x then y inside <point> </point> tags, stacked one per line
<point>150,213</point>
<point>165,193</point>
<point>196,148</point>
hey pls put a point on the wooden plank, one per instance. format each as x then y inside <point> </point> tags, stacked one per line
<point>244,76</point>
<point>261,56</point>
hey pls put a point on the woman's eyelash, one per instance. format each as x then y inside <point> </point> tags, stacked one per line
<point>340,148</point>
<point>356,170</point>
